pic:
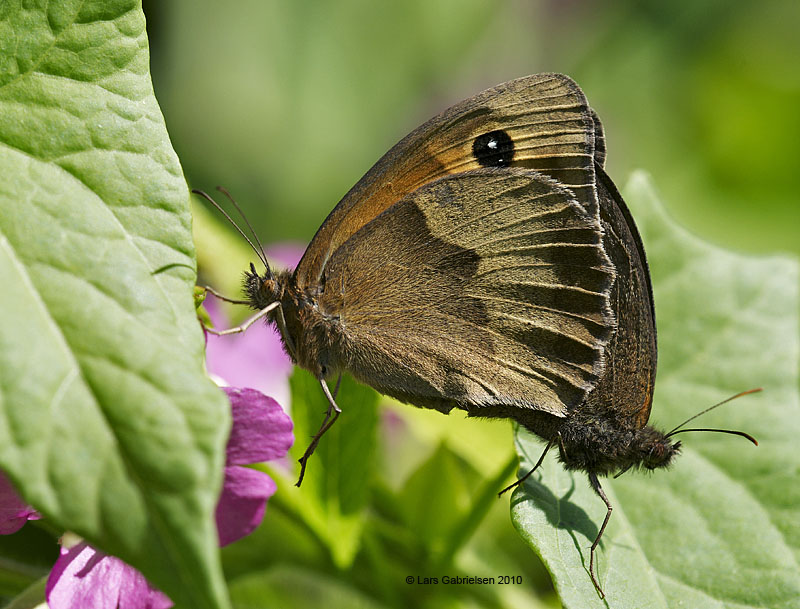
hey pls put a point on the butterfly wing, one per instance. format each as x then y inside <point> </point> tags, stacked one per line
<point>498,267</point>
<point>545,116</point>
<point>599,143</point>
<point>629,377</point>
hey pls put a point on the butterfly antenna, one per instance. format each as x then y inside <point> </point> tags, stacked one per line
<point>225,191</point>
<point>679,429</point>
<point>259,253</point>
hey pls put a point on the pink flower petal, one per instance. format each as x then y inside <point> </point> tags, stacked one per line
<point>242,502</point>
<point>261,430</point>
<point>14,512</point>
<point>85,578</point>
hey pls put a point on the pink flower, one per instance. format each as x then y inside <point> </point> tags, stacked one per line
<point>84,578</point>
<point>261,432</point>
<point>14,512</point>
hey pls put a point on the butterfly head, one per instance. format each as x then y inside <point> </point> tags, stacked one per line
<point>656,449</point>
<point>262,290</point>
<point>653,449</point>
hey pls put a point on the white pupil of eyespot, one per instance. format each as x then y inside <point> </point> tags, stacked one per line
<point>492,144</point>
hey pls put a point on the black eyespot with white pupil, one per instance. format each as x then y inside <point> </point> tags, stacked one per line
<point>493,149</point>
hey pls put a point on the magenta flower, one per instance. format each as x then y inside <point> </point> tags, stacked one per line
<point>14,512</point>
<point>261,432</point>
<point>83,577</point>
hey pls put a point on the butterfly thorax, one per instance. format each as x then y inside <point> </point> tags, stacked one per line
<point>308,334</point>
<point>603,445</point>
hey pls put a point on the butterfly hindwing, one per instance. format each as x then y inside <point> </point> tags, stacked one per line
<point>631,354</point>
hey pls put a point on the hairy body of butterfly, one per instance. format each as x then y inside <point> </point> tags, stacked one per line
<point>488,263</point>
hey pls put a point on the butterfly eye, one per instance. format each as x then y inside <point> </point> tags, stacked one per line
<point>493,149</point>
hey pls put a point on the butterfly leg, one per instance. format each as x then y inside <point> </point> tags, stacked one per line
<point>599,490</point>
<point>249,322</point>
<point>219,296</point>
<point>338,382</point>
<point>533,469</point>
<point>330,418</point>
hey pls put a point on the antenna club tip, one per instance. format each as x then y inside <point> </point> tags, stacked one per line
<point>749,437</point>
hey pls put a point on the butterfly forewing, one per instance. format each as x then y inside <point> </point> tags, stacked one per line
<point>545,117</point>
<point>485,267</point>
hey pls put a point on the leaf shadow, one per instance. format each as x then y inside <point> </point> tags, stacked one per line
<point>561,513</point>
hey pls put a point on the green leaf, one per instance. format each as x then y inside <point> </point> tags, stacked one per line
<point>25,556</point>
<point>109,425</point>
<point>483,499</point>
<point>721,528</point>
<point>30,598</point>
<point>335,489</point>
<point>435,499</point>
<point>444,501</point>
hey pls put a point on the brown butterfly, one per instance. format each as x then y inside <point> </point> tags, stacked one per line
<point>488,263</point>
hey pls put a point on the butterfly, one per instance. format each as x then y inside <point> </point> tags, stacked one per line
<point>488,263</point>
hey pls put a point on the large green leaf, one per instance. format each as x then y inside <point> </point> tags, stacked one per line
<point>722,528</point>
<point>108,424</point>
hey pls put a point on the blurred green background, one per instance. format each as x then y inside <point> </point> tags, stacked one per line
<point>287,104</point>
